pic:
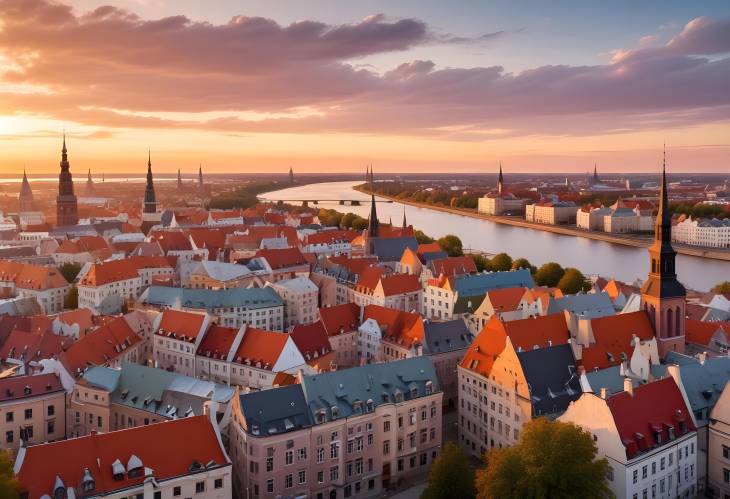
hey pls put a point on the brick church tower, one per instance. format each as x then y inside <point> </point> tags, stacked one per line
<point>67,212</point>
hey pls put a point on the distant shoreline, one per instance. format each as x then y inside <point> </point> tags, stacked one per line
<point>626,240</point>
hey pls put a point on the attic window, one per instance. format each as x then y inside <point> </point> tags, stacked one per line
<point>335,412</point>
<point>134,467</point>
<point>321,416</point>
<point>414,392</point>
<point>429,387</point>
<point>398,396</point>
<point>87,483</point>
<point>118,470</point>
<point>370,405</point>
<point>357,406</point>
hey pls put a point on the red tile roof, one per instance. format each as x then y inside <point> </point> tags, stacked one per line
<point>354,265</point>
<point>345,317</point>
<point>653,407</point>
<point>33,277</point>
<point>261,346</point>
<point>121,270</point>
<point>331,236</point>
<point>505,299</point>
<point>159,446</point>
<point>100,347</point>
<point>404,328</point>
<point>541,331</point>
<point>183,325</point>
<point>429,248</point>
<point>613,335</point>
<point>369,279</point>
<point>455,265</point>
<point>217,342</point>
<point>282,258</point>
<point>172,240</point>
<point>483,351</point>
<point>20,387</point>
<point>701,333</point>
<point>311,340</point>
<point>32,346</point>
<point>398,284</point>
<point>81,316</point>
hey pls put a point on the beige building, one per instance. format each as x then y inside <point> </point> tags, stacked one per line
<point>718,449</point>
<point>32,409</point>
<point>300,296</point>
<point>551,212</point>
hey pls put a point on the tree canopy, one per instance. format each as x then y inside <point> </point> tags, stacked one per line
<point>71,301</point>
<point>69,271</point>
<point>551,460</point>
<point>452,245</point>
<point>422,238</point>
<point>451,476</point>
<point>523,263</point>
<point>573,281</point>
<point>549,274</point>
<point>482,263</point>
<point>722,287</point>
<point>9,486</point>
<point>501,262</point>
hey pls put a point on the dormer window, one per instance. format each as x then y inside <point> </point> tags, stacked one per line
<point>118,470</point>
<point>335,412</point>
<point>357,406</point>
<point>398,396</point>
<point>414,392</point>
<point>370,405</point>
<point>321,416</point>
<point>59,488</point>
<point>135,468</point>
<point>429,387</point>
<point>87,483</point>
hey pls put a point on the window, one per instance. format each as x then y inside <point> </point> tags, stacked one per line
<point>8,417</point>
<point>176,491</point>
<point>386,424</point>
<point>609,474</point>
<point>320,476</point>
<point>9,436</point>
<point>386,447</point>
<point>51,427</point>
<point>270,485</point>
<point>302,476</point>
<point>725,452</point>
<point>644,471</point>
<point>289,481</point>
<point>726,475</point>
<point>29,414</point>
<point>51,410</point>
<point>334,473</point>
<point>218,483</point>
<point>289,457</point>
<point>334,450</point>
<point>199,487</point>
<point>636,476</point>
<point>320,454</point>
<point>302,454</point>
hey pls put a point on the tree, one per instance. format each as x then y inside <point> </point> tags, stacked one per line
<point>573,281</point>
<point>422,238</point>
<point>549,274</point>
<point>72,298</point>
<point>501,262</point>
<point>551,460</point>
<point>523,263</point>
<point>482,263</point>
<point>9,485</point>
<point>451,244</point>
<point>451,476</point>
<point>359,224</point>
<point>347,219</point>
<point>69,271</point>
<point>722,287</point>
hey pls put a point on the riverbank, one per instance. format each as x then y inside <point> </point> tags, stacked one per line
<point>635,241</point>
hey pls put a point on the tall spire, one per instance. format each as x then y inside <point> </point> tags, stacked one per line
<point>179,180</point>
<point>150,199</point>
<point>25,199</point>
<point>405,224</point>
<point>89,183</point>
<point>500,181</point>
<point>200,176</point>
<point>373,223</point>
<point>66,202</point>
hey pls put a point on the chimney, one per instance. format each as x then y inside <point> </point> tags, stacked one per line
<point>604,393</point>
<point>629,386</point>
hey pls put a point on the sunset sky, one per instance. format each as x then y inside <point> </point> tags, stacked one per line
<point>330,85</point>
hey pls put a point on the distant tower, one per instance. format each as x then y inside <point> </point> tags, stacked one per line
<point>663,297</point>
<point>179,181</point>
<point>67,211</point>
<point>373,223</point>
<point>25,199</point>
<point>595,174</point>
<point>89,184</point>
<point>291,175</point>
<point>405,224</point>
<point>201,186</point>
<point>500,180</point>
<point>150,200</point>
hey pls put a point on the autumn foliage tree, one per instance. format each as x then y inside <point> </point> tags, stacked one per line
<point>9,486</point>
<point>452,245</point>
<point>451,476</point>
<point>573,281</point>
<point>549,274</point>
<point>551,460</point>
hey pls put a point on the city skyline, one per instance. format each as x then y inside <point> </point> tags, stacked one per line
<point>412,87</point>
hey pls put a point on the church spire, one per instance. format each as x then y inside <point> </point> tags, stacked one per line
<point>373,223</point>
<point>25,199</point>
<point>66,203</point>
<point>200,176</point>
<point>179,180</point>
<point>89,183</point>
<point>150,199</point>
<point>500,181</point>
<point>405,224</point>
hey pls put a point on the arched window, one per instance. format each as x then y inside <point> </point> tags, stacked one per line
<point>670,322</point>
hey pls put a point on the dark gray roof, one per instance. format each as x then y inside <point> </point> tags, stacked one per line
<point>551,375</point>
<point>446,336</point>
<point>433,255</point>
<point>16,252</point>
<point>480,284</point>
<point>274,411</point>
<point>590,306</point>
<point>703,381</point>
<point>210,299</point>
<point>391,249</point>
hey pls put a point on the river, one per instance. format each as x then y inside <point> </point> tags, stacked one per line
<point>591,257</point>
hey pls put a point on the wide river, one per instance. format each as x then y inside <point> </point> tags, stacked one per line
<point>591,257</point>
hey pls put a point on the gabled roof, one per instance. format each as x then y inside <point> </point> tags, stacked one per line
<point>221,271</point>
<point>345,317</point>
<point>703,382</point>
<point>397,284</point>
<point>158,446</point>
<point>211,299</point>
<point>701,333</point>
<point>183,325</point>
<point>403,328</point>
<point>589,305</point>
<point>28,347</point>
<point>260,346</point>
<point>217,342</point>
<point>650,410</point>
<point>311,340</point>
<point>390,249</point>
<point>270,412</point>
<point>354,265</point>
<point>122,270</point>
<point>101,346</point>
<point>613,335</point>
<point>440,337</point>
<point>33,277</point>
<point>505,299</point>
<point>282,258</point>
<point>369,278</point>
<point>454,265</point>
<point>551,378</point>
<point>170,240</point>
<point>541,331</point>
<point>479,284</point>
<point>331,236</point>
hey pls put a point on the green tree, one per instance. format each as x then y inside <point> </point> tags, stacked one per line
<point>482,263</point>
<point>347,219</point>
<point>9,486</point>
<point>722,287</point>
<point>573,281</point>
<point>551,460</point>
<point>549,274</point>
<point>422,238</point>
<point>452,245</point>
<point>524,263</point>
<point>451,476</point>
<point>72,298</point>
<point>359,224</point>
<point>501,262</point>
<point>69,271</point>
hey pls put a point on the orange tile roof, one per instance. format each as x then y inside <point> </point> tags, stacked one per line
<point>282,258</point>
<point>485,348</point>
<point>354,265</point>
<point>701,333</point>
<point>454,265</point>
<point>345,317</point>
<point>81,316</point>
<point>398,284</point>
<point>16,387</point>
<point>614,287</point>
<point>369,279</point>
<point>100,347</point>
<point>261,346</point>
<point>404,328</point>
<point>217,342</point>
<point>183,325</point>
<point>159,446</point>
<point>119,270</point>
<point>171,240</point>
<point>541,331</point>
<point>284,379</point>
<point>33,346</point>
<point>311,340</point>
<point>505,299</point>
<point>613,335</point>
<point>34,277</point>
<point>429,248</point>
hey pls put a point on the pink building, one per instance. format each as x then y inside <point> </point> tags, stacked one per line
<point>351,433</point>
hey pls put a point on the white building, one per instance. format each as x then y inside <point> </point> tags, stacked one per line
<point>300,297</point>
<point>177,337</point>
<point>648,436</point>
<point>712,233</point>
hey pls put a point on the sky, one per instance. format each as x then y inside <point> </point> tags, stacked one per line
<point>333,85</point>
